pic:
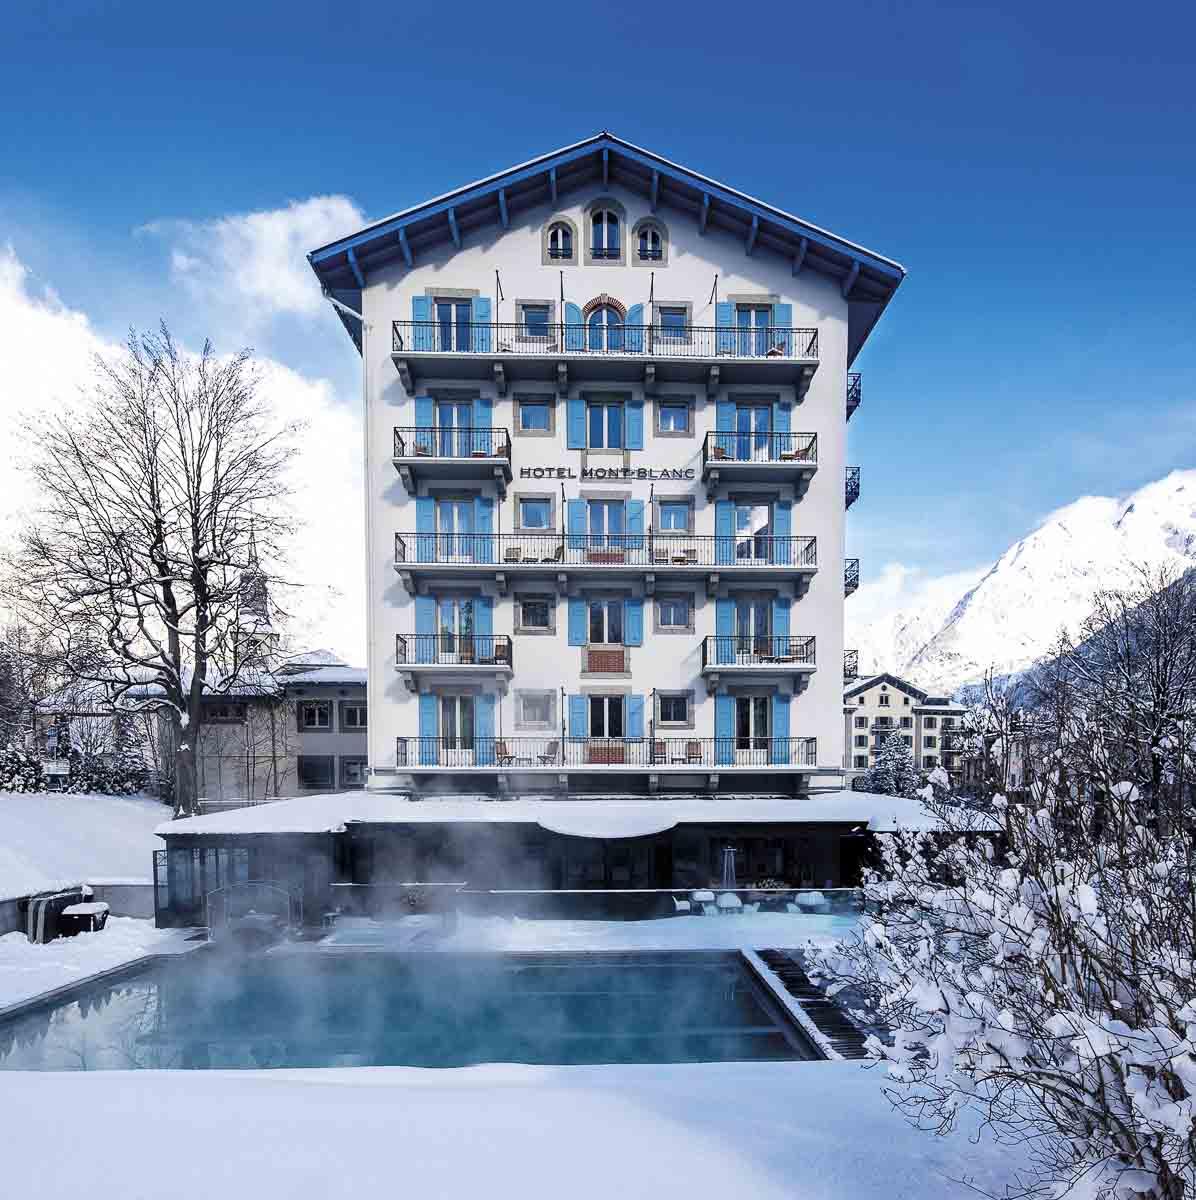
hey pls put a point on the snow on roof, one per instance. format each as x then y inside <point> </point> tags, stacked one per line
<point>331,812</point>
<point>339,673</point>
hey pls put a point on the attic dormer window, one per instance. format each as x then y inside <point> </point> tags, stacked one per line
<point>651,246</point>
<point>560,242</point>
<point>604,225</point>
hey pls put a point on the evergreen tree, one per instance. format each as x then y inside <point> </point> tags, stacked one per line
<point>894,773</point>
<point>20,771</point>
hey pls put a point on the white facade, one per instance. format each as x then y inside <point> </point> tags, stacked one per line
<point>538,702</point>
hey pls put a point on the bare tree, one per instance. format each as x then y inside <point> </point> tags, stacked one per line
<point>157,496</point>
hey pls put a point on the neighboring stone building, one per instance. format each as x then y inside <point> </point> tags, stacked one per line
<point>882,705</point>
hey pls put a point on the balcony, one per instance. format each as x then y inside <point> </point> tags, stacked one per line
<point>851,575</point>
<point>560,753</point>
<point>446,453</point>
<point>503,352</point>
<point>757,657</point>
<point>425,655</point>
<point>854,392</point>
<point>650,556</point>
<point>852,493</point>
<point>851,665</point>
<point>757,457</point>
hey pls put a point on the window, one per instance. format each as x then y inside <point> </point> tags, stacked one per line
<point>534,512</point>
<point>859,699</point>
<point>753,625</point>
<point>223,713</point>
<point>907,722</point>
<point>353,772</point>
<point>604,226</point>
<point>929,760</point>
<point>673,613</point>
<point>751,722</point>
<point>948,722</point>
<point>929,743</point>
<point>905,701</point>
<point>456,722</point>
<point>861,722</point>
<point>861,740</point>
<point>315,714</point>
<point>753,527</point>
<point>535,710</point>
<point>650,243</point>
<point>534,415</point>
<point>454,424</point>
<point>453,323</point>
<point>752,322</point>
<point>930,722</point>
<point>672,416</point>
<point>884,700</point>
<point>604,423</point>
<point>353,716</point>
<point>861,762</point>
<point>454,525</point>
<point>674,516</point>
<point>533,614</point>
<point>605,328</point>
<point>606,716</point>
<point>606,622</point>
<point>537,321</point>
<point>674,323</point>
<point>674,709</point>
<point>454,624</point>
<point>560,241</point>
<point>907,740</point>
<point>315,770</point>
<point>607,523</point>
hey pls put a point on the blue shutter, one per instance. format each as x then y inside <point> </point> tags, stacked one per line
<point>576,423</point>
<point>575,332</point>
<point>578,725</point>
<point>724,532</point>
<point>578,626</point>
<point>425,526</point>
<point>423,333</point>
<point>633,621</point>
<point>635,343</point>
<point>483,626</point>
<point>782,529</point>
<point>781,413</point>
<point>428,746</point>
<point>483,550</point>
<point>780,728</point>
<point>724,629</point>
<point>483,715</point>
<point>576,513</point>
<point>724,318</point>
<point>483,422</point>
<point>635,423</point>
<point>780,624</point>
<point>425,628</point>
<point>635,716</point>
<point>724,423</point>
<point>782,318</point>
<point>635,524</point>
<point>482,333</point>
<point>724,730</point>
<point>424,417</point>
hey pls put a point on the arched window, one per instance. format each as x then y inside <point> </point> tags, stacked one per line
<point>560,241</point>
<point>606,328</point>
<point>604,224</point>
<point>651,246</point>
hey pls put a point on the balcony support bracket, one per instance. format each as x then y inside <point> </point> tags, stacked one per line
<point>500,580</point>
<point>409,681</point>
<point>712,783</point>
<point>654,783</point>
<point>650,379</point>
<point>712,481</point>
<point>404,370</point>
<point>562,584</point>
<point>407,475</point>
<point>803,386</point>
<point>562,379</point>
<point>408,582</point>
<point>712,382</point>
<point>500,378</point>
<point>650,584</point>
<point>712,681</point>
<point>500,482</point>
<point>712,581</point>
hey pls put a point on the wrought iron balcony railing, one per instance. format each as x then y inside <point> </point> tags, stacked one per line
<point>775,651</point>
<point>851,575</point>
<point>854,392</point>
<point>796,448</point>
<point>851,665</point>
<point>853,485</point>
<point>566,751</point>
<point>453,650</point>
<point>607,550</point>
<point>690,341</point>
<point>459,442</point>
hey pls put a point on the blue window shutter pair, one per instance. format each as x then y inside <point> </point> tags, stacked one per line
<point>576,512</point>
<point>482,340</point>
<point>425,629</point>
<point>724,629</point>
<point>425,527</point>
<point>780,622</point>
<point>635,423</point>
<point>782,319</point>
<point>724,318</point>
<point>782,528</point>
<point>578,627</point>
<point>635,344</point>
<point>724,729</point>
<point>780,728</point>
<point>576,423</point>
<point>635,524</point>
<point>635,716</point>
<point>633,621</point>
<point>483,550</point>
<point>428,716</point>
<point>578,713</point>
<point>724,532</point>
<point>423,335</point>
<point>575,335</point>
<point>483,709</point>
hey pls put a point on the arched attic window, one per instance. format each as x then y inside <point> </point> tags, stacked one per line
<point>560,241</point>
<point>604,234</point>
<point>651,244</point>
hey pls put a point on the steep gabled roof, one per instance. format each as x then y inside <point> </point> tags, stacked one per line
<point>868,280</point>
<point>902,685</point>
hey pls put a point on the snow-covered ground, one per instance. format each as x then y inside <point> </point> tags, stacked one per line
<point>769,1131</point>
<point>48,839</point>
<point>27,970</point>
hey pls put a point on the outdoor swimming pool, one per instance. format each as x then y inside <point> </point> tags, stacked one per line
<point>216,1011</point>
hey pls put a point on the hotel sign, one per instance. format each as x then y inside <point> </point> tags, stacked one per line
<point>611,473</point>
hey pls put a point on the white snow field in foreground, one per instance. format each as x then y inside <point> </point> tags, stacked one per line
<point>768,1131</point>
<point>50,839</point>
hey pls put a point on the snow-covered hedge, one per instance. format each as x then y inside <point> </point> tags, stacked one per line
<point>114,774</point>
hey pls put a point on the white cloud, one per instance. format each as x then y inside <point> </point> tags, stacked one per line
<point>256,262</point>
<point>47,350</point>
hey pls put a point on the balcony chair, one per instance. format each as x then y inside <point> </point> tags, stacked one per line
<point>502,755</point>
<point>551,754</point>
<point>558,555</point>
<point>511,554</point>
<point>693,752</point>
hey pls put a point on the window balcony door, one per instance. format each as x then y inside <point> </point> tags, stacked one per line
<point>753,424</point>
<point>753,530</point>
<point>455,425</point>
<point>607,730</point>
<point>751,323</point>
<point>454,524</point>
<point>753,630</point>
<point>606,330</point>
<point>751,731</point>
<point>457,731</point>
<point>454,325</point>
<point>607,522</point>
<point>606,650</point>
<point>456,630</point>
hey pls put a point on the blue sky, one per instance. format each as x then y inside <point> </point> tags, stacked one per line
<point>1031,165</point>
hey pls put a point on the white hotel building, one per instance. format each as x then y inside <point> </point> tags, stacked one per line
<point>606,404</point>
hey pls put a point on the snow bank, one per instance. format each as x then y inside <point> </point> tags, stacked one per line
<point>50,840</point>
<point>771,1131</point>
<point>27,970</point>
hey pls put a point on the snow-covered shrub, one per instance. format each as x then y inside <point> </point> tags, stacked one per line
<point>20,771</point>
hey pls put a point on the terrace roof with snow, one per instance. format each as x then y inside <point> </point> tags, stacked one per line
<point>867,279</point>
<point>606,818</point>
